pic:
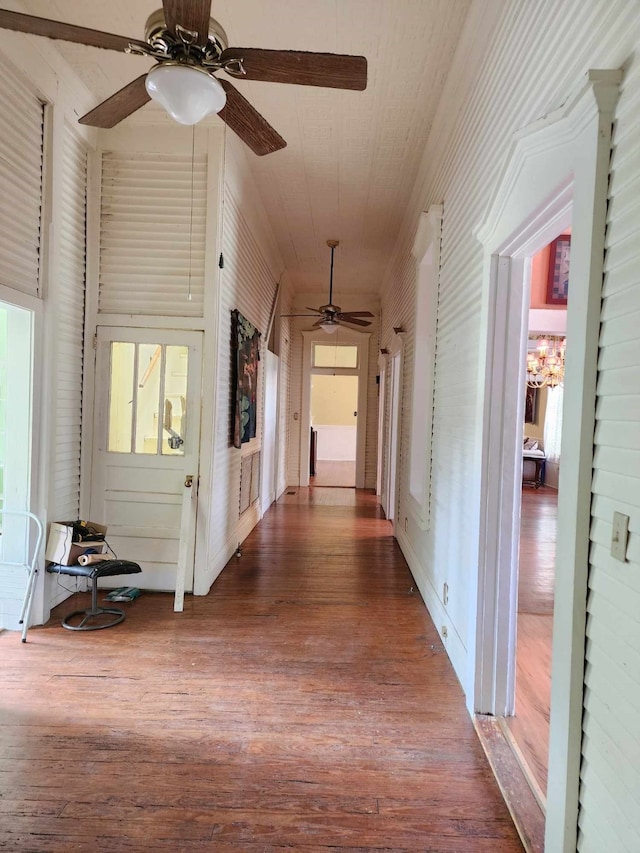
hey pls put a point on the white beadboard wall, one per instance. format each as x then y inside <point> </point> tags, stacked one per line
<point>53,209</point>
<point>68,307</point>
<point>610,773</point>
<point>516,62</point>
<point>248,283</point>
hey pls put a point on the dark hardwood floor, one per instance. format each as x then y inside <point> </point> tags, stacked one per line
<point>305,704</point>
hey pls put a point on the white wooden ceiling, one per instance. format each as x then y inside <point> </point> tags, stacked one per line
<point>351,157</point>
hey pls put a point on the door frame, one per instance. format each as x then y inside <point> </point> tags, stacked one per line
<point>270,455</point>
<point>352,338</point>
<point>185,568</point>
<point>38,462</point>
<point>562,159</point>
<point>393,404</point>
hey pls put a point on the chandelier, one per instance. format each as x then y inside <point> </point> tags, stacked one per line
<point>545,364</point>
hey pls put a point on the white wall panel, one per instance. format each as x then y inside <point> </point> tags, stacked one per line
<point>248,283</point>
<point>67,303</point>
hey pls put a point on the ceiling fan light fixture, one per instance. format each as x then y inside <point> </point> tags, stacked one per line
<point>329,326</point>
<point>186,92</point>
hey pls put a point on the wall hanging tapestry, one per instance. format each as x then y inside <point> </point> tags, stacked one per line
<point>245,340</point>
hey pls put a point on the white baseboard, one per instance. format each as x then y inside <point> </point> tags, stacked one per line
<point>453,644</point>
<point>219,560</point>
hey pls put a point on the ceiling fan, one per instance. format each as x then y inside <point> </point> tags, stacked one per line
<point>331,316</point>
<point>188,47</point>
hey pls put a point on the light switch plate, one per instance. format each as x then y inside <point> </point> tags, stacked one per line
<point>619,535</point>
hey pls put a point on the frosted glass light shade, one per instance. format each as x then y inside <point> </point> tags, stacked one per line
<point>187,93</point>
<point>329,327</point>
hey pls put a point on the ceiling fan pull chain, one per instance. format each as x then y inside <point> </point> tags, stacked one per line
<point>193,156</point>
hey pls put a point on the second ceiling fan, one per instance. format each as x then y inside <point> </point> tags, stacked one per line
<point>332,316</point>
<point>188,47</point>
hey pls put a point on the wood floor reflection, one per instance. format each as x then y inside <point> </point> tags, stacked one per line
<point>530,726</point>
<point>341,474</point>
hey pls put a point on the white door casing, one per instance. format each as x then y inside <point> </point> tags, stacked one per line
<point>382,379</point>
<point>351,338</point>
<point>145,491</point>
<point>268,478</point>
<point>393,439</point>
<point>391,371</point>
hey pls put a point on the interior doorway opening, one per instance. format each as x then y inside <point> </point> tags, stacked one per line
<point>541,445</point>
<point>334,422</point>
<point>345,355</point>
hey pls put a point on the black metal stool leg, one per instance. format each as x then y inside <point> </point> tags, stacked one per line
<point>94,612</point>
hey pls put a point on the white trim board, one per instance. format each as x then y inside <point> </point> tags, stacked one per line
<point>361,339</point>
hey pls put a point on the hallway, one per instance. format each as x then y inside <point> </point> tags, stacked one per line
<point>305,703</point>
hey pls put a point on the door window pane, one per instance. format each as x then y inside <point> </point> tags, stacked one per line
<point>335,356</point>
<point>121,396</point>
<point>148,394</point>
<point>175,400</point>
<point>148,398</point>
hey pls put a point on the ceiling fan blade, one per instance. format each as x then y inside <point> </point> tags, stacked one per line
<point>356,314</point>
<point>354,321</point>
<point>317,310</point>
<point>298,315</point>
<point>190,14</point>
<point>65,32</point>
<point>247,122</point>
<point>120,105</point>
<point>335,71</point>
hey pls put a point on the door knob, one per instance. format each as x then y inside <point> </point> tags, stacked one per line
<point>188,481</point>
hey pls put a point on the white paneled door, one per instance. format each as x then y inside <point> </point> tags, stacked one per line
<point>145,451</point>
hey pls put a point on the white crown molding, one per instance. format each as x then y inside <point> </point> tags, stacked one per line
<point>596,95</point>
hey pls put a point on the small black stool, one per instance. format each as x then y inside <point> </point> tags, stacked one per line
<point>104,569</point>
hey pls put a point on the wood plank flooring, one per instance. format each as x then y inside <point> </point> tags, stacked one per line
<point>530,725</point>
<point>330,473</point>
<point>305,704</point>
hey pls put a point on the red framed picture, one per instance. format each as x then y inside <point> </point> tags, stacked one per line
<point>558,277</point>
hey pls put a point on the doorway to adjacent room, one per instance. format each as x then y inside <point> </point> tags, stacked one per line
<point>334,421</point>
